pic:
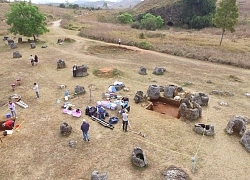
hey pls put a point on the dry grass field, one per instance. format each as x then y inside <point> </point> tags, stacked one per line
<point>38,151</point>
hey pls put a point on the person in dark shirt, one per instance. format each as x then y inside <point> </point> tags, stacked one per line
<point>85,129</point>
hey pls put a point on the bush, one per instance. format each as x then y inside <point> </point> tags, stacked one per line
<point>136,25</point>
<point>150,24</point>
<point>145,45</point>
<point>142,36</point>
<point>125,18</point>
<point>67,16</point>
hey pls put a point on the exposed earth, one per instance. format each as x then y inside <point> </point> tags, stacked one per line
<point>37,150</point>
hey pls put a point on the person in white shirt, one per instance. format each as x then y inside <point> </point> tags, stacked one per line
<point>12,108</point>
<point>32,60</point>
<point>125,120</point>
<point>36,90</point>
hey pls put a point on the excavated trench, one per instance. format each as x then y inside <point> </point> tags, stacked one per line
<point>165,105</point>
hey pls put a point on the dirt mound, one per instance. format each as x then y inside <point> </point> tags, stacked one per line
<point>107,72</point>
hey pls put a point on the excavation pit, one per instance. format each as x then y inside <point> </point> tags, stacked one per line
<point>166,106</point>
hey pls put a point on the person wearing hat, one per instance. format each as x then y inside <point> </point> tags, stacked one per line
<point>125,120</point>
<point>74,70</point>
<point>9,124</point>
<point>12,108</point>
<point>85,129</point>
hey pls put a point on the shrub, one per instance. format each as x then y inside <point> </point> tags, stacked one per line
<point>136,25</point>
<point>142,36</point>
<point>145,45</point>
<point>125,18</point>
<point>151,22</point>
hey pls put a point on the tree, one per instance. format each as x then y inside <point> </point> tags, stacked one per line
<point>151,22</point>
<point>198,13</point>
<point>105,4</point>
<point>125,18</point>
<point>25,19</point>
<point>76,6</point>
<point>226,16</point>
<point>62,5</point>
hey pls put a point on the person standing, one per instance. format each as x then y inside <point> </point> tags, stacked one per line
<point>36,90</point>
<point>36,60</point>
<point>119,41</point>
<point>85,129</point>
<point>10,124</point>
<point>12,108</point>
<point>32,60</point>
<point>74,70</point>
<point>125,120</point>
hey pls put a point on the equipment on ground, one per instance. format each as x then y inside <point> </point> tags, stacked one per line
<point>139,133</point>
<point>22,104</point>
<point>102,122</point>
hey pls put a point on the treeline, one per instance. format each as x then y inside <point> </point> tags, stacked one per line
<point>76,6</point>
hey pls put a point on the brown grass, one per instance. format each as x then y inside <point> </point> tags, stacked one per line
<point>38,151</point>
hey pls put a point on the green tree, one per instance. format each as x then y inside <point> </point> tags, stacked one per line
<point>198,13</point>
<point>151,22</point>
<point>25,19</point>
<point>76,6</point>
<point>105,4</point>
<point>70,6</point>
<point>125,18</point>
<point>226,16</point>
<point>62,5</point>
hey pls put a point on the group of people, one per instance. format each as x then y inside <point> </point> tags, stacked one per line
<point>10,123</point>
<point>33,60</point>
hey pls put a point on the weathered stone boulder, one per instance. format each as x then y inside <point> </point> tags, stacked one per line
<point>188,113</point>
<point>5,38</point>
<point>10,41</point>
<point>174,173</point>
<point>187,102</point>
<point>82,71</point>
<point>20,40</point>
<point>245,140</point>
<point>202,128</point>
<point>96,176</point>
<point>138,157</point>
<point>238,124</point>
<point>61,64</point>
<point>142,70</point>
<point>138,97</point>
<point>159,71</point>
<point>79,90</point>
<point>169,91</point>
<point>59,40</point>
<point>153,91</point>
<point>32,45</point>
<point>197,106</point>
<point>72,143</point>
<point>65,128</point>
<point>13,45</point>
<point>201,99</point>
<point>17,54</point>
